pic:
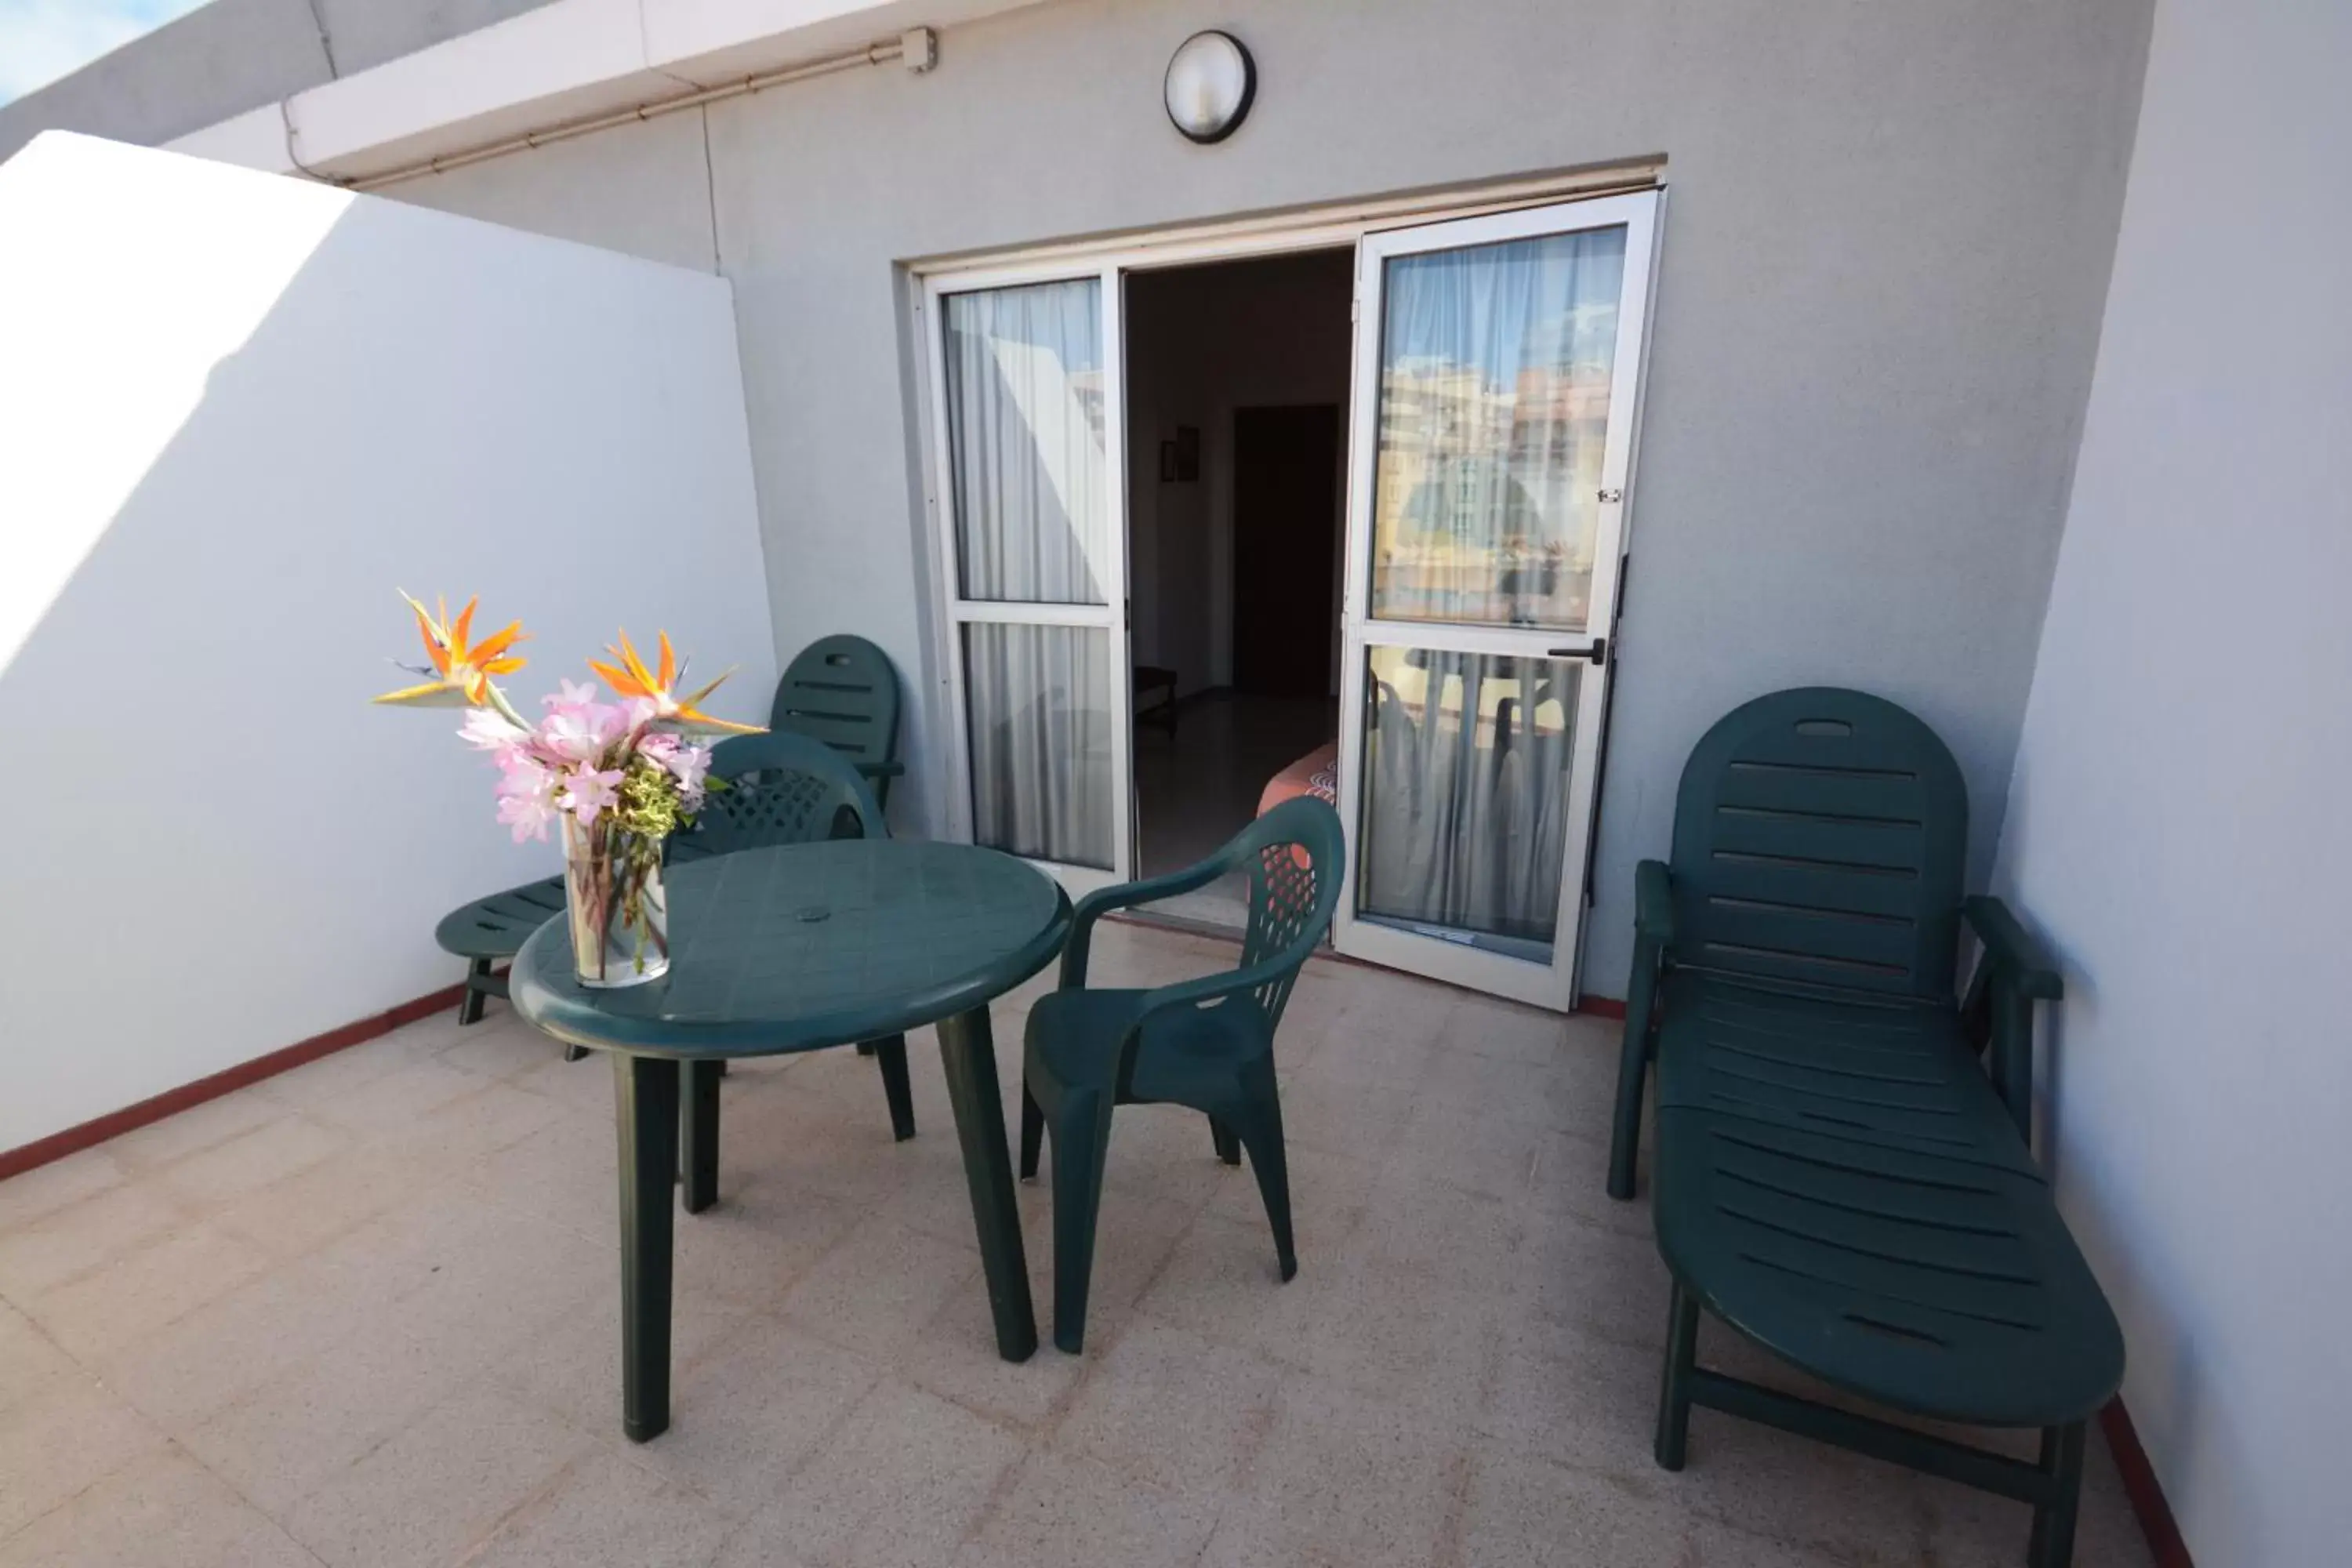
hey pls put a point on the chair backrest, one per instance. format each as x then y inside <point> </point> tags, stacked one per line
<point>1818,837</point>
<point>1293,855</point>
<point>841,691</point>
<point>780,789</point>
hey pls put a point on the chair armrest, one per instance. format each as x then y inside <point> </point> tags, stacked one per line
<point>1654,901</point>
<point>2012,949</point>
<point>1102,900</point>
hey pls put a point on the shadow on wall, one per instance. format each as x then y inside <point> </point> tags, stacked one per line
<point>238,412</point>
<point>2170,1382</point>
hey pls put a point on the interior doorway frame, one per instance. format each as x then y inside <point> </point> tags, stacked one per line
<point>1322,226</point>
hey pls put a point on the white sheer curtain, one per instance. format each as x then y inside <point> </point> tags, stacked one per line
<point>1466,814</point>
<point>1029,476</point>
<point>1495,373</point>
<point>1039,700</point>
<point>1026,449</point>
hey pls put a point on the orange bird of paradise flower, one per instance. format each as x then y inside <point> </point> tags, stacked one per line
<point>630,677</point>
<point>462,668</point>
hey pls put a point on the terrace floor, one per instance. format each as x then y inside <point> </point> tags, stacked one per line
<point>366,1314</point>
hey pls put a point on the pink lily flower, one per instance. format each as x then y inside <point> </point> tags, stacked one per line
<point>574,695</point>
<point>581,734</point>
<point>487,730</point>
<point>587,790</point>
<point>527,812</point>
<point>689,765</point>
<point>520,772</point>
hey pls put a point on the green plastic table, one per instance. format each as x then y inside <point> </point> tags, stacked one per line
<point>796,948</point>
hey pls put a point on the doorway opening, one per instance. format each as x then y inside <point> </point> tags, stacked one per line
<point>1237,388</point>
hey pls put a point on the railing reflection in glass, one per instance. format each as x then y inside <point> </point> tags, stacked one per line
<point>1465,813</point>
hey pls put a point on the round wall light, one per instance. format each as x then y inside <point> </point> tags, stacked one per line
<point>1209,83</point>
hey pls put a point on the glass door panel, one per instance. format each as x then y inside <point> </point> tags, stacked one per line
<point>1028,456</point>
<point>1495,385</point>
<point>1037,701</point>
<point>1029,473</point>
<point>1465,796</point>
<point>1494,411</point>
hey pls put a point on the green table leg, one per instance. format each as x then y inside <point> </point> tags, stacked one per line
<point>970,1055</point>
<point>700,1166</point>
<point>645,1104</point>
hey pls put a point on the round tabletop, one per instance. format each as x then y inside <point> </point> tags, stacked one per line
<point>801,946</point>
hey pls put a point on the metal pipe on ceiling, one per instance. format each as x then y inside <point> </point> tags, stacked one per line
<point>917,47</point>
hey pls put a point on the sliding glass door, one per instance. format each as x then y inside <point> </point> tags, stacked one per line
<point>1495,393</point>
<point>1029,466</point>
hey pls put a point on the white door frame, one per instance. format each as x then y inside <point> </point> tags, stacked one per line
<point>1327,228</point>
<point>1111,617</point>
<point>1450,958</point>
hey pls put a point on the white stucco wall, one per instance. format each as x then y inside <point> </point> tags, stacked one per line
<point>2178,823</point>
<point>236,411</point>
<point>1883,266</point>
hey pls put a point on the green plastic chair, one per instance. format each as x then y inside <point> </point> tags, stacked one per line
<point>841,691</point>
<point>789,789</point>
<point>1207,1043</point>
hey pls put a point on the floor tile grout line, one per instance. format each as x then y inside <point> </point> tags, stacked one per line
<point>545,1490</point>
<point>275,1523</point>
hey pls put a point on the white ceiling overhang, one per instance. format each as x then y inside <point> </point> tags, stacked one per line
<point>568,61</point>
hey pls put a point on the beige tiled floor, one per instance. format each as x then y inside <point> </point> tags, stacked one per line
<point>365,1313</point>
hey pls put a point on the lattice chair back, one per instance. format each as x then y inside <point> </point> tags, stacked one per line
<point>1293,855</point>
<point>782,789</point>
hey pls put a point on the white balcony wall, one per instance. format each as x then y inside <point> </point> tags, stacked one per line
<point>2176,824</point>
<point>236,411</point>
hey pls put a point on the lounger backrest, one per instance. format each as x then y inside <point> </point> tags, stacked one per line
<point>841,690</point>
<point>1818,837</point>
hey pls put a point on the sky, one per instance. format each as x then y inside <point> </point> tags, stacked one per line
<point>41,40</point>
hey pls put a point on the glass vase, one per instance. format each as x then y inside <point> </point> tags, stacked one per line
<point>613,905</point>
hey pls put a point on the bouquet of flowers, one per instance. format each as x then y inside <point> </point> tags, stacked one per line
<point>619,778</point>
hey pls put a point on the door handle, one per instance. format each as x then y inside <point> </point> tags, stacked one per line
<point>1597,654</point>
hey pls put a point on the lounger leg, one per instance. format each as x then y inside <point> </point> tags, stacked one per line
<point>1033,1133</point>
<point>2054,1523</point>
<point>575,1053</point>
<point>865,1047</point>
<point>1673,1398</point>
<point>1633,1069</point>
<point>890,1054</point>
<point>1228,1147</point>
<point>470,1005</point>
